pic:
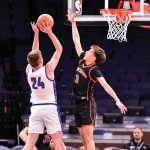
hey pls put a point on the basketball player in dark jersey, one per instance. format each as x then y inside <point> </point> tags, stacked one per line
<point>87,74</point>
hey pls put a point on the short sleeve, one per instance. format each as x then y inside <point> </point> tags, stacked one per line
<point>95,73</point>
<point>82,55</point>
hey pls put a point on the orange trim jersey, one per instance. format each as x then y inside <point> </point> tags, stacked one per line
<point>85,78</point>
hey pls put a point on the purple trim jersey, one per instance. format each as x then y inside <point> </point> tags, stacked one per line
<point>43,90</point>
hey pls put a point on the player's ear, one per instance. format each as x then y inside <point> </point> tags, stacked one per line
<point>94,58</point>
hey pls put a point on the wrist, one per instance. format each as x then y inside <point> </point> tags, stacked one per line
<point>50,32</point>
<point>117,101</point>
<point>36,33</point>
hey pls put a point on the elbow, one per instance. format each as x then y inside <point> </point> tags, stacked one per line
<point>20,134</point>
<point>61,49</point>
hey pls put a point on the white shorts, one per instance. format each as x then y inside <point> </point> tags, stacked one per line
<point>44,116</point>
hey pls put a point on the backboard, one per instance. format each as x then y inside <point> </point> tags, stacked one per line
<point>88,11</point>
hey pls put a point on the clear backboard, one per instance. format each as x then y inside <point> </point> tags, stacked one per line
<point>88,11</point>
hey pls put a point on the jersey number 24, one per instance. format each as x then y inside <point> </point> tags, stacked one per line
<point>36,82</point>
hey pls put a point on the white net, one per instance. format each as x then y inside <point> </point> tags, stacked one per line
<point>118,21</point>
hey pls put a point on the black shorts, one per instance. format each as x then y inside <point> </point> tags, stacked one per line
<point>85,112</point>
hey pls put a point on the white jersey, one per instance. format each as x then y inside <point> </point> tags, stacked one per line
<point>43,90</point>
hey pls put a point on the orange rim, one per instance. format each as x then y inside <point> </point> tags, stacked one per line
<point>114,11</point>
<point>122,15</point>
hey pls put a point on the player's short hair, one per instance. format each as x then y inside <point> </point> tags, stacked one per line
<point>33,58</point>
<point>138,128</point>
<point>99,54</point>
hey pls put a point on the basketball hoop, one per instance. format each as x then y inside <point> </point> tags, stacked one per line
<point>118,21</point>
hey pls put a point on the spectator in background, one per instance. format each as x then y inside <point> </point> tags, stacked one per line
<point>137,142</point>
<point>81,148</point>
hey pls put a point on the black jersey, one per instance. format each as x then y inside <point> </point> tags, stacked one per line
<point>137,146</point>
<point>85,78</point>
<point>40,144</point>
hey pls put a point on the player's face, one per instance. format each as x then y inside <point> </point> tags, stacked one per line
<point>137,134</point>
<point>89,55</point>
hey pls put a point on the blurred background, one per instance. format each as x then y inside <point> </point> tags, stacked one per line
<point>127,68</point>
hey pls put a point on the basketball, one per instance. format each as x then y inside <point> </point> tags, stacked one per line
<point>45,19</point>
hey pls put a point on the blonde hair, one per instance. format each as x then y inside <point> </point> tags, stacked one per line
<point>34,57</point>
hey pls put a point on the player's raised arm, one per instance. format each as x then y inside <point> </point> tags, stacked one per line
<point>75,33</point>
<point>35,45</point>
<point>47,28</point>
<point>58,47</point>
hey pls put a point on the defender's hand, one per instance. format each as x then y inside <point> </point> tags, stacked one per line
<point>71,15</point>
<point>122,107</point>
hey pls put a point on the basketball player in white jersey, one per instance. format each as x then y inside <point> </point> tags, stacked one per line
<point>44,111</point>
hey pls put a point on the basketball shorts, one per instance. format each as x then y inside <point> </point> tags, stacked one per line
<point>85,113</point>
<point>44,116</point>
